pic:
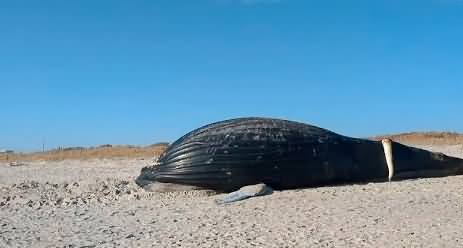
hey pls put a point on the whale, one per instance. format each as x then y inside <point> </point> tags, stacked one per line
<point>228,155</point>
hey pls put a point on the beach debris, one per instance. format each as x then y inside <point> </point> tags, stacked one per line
<point>16,163</point>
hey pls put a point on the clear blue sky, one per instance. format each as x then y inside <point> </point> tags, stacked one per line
<point>79,73</point>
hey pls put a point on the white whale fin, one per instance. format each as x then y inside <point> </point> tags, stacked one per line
<point>387,146</point>
<point>246,192</point>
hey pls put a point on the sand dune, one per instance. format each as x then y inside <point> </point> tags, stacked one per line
<point>84,153</point>
<point>425,138</point>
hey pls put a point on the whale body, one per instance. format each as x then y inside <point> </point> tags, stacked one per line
<point>282,154</point>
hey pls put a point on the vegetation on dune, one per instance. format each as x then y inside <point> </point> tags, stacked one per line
<point>103,151</point>
<point>425,138</point>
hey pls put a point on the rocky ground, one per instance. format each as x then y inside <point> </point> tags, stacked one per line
<point>95,203</point>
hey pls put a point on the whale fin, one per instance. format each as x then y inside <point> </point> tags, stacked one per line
<point>246,192</point>
<point>387,146</point>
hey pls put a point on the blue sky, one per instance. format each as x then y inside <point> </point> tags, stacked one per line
<point>80,73</point>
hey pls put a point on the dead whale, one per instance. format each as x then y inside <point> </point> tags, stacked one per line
<point>282,154</point>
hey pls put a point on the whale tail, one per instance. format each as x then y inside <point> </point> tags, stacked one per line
<point>459,170</point>
<point>406,162</point>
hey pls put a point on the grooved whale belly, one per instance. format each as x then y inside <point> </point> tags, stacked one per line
<point>283,154</point>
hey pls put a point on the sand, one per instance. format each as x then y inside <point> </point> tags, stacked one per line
<point>95,203</point>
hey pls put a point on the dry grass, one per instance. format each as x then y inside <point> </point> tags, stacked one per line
<point>425,138</point>
<point>105,151</point>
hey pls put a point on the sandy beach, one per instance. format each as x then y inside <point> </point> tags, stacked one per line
<point>95,203</point>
